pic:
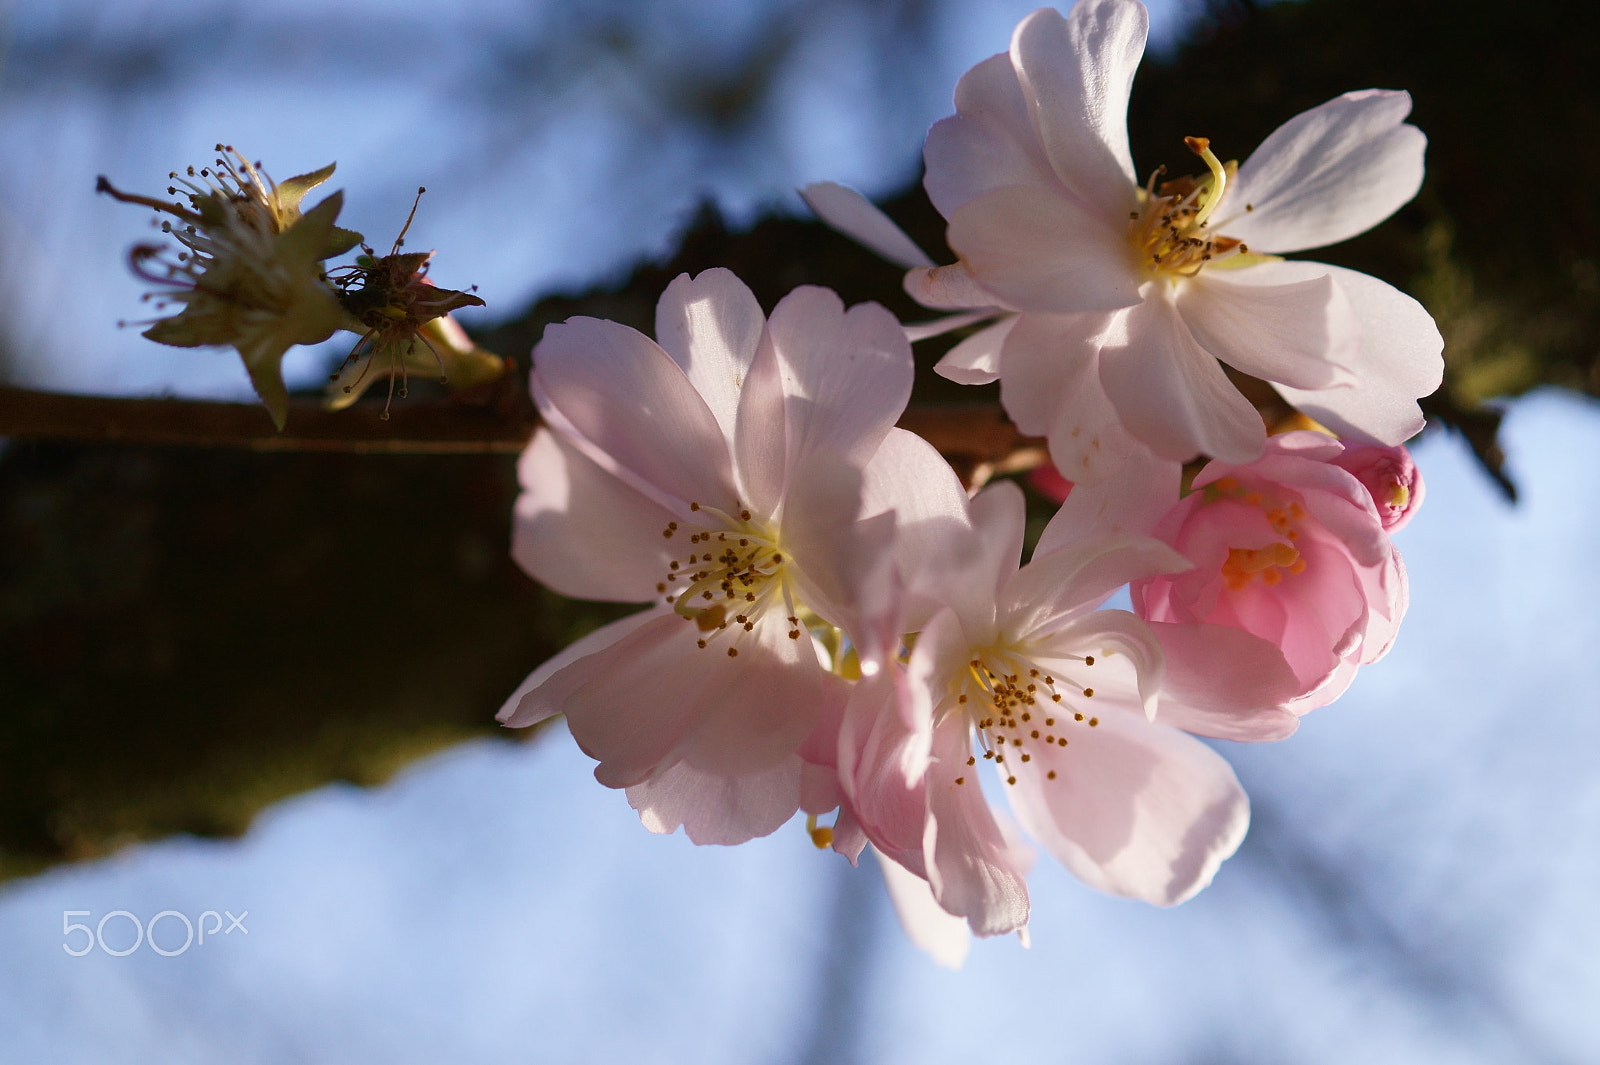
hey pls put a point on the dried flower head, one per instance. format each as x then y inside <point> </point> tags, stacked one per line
<point>395,305</point>
<point>248,274</point>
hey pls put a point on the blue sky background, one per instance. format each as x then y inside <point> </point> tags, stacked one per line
<point>1420,880</point>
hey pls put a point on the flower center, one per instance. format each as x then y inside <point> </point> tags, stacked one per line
<point>1169,233</point>
<point>1016,708</point>
<point>1267,564</point>
<point>732,576</point>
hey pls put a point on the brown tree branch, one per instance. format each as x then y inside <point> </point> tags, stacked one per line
<point>495,422</point>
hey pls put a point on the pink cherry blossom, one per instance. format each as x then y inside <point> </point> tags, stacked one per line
<point>1132,295</point>
<point>1391,478</point>
<point>1019,673</point>
<point>719,474</point>
<point>1291,562</point>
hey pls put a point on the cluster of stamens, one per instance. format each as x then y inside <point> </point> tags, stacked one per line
<point>1267,564</point>
<point>227,230</point>
<point>732,575</point>
<point>1015,708</point>
<point>1170,234</point>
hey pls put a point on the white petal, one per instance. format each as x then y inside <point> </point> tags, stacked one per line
<point>718,809</point>
<point>1051,385</point>
<point>1039,249</point>
<point>1078,72</point>
<point>710,325</point>
<point>976,360</point>
<point>578,530</point>
<point>950,288</point>
<point>627,397</point>
<point>943,936</point>
<point>1400,361</point>
<point>1170,392</point>
<point>1047,364</point>
<point>859,218</point>
<point>989,143</point>
<point>1136,809</point>
<point>1327,174</point>
<point>1299,332</point>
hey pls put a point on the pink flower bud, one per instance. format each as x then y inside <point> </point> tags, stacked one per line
<point>1392,478</point>
<point>1292,549</point>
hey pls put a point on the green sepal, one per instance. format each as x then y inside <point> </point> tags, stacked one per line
<point>293,190</point>
<point>340,240</point>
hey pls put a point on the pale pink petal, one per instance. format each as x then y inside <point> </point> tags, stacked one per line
<point>1077,71</point>
<point>653,698</point>
<point>534,700</point>
<point>938,327</point>
<point>755,709</point>
<point>1135,809</point>
<point>1135,490</point>
<point>1043,250</point>
<point>839,557</point>
<point>885,740</point>
<point>848,838</point>
<point>941,935</point>
<point>1171,393</point>
<point>1327,174</point>
<point>989,143</point>
<point>859,218</point>
<point>976,360</point>
<point>628,397</point>
<point>1128,663</point>
<point>760,437</point>
<point>965,570</point>
<point>580,531</point>
<point>718,809</point>
<point>1224,682</point>
<point>819,787</point>
<point>1335,685</point>
<point>631,702</point>
<point>1050,383</point>
<point>1078,577</point>
<point>846,375</point>
<point>973,870</point>
<point>946,288</point>
<point>1298,332</point>
<point>710,325</point>
<point>1400,361</point>
<point>909,477</point>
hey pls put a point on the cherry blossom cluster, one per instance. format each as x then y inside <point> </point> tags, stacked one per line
<point>836,626</point>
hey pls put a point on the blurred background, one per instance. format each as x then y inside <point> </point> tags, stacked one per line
<point>233,681</point>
